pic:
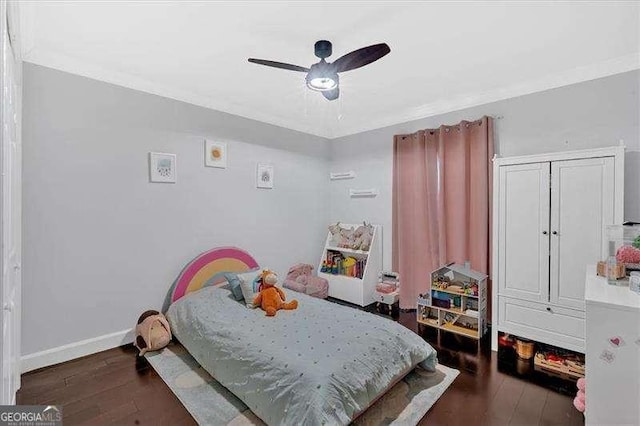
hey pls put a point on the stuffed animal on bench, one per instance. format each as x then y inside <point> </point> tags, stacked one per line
<point>270,298</point>
<point>152,332</point>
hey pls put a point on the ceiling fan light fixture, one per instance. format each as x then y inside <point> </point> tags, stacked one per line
<point>322,77</point>
<point>322,83</point>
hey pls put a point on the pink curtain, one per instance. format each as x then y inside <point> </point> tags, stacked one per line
<point>441,202</point>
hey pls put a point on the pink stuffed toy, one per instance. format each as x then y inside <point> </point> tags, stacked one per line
<point>579,401</point>
<point>300,278</point>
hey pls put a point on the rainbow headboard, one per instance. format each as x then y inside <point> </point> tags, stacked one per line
<point>208,269</point>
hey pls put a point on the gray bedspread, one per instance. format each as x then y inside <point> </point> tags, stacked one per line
<point>321,364</point>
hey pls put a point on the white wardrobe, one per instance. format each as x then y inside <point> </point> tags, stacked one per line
<point>10,202</point>
<point>550,216</point>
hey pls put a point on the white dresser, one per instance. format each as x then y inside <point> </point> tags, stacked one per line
<point>550,217</point>
<point>613,353</point>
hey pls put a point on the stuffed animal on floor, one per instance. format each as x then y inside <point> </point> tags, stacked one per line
<point>152,332</point>
<point>579,400</point>
<point>270,298</point>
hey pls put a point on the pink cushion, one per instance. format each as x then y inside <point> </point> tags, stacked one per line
<point>300,279</point>
<point>294,285</point>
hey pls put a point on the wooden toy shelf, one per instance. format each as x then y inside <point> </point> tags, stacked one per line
<point>460,330</point>
<point>462,312</point>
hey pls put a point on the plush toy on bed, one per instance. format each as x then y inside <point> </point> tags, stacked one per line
<point>152,332</point>
<point>270,298</point>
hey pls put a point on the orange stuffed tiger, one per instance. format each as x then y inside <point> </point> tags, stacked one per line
<point>270,298</point>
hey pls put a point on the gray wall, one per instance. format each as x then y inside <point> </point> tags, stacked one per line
<point>597,113</point>
<point>102,244</point>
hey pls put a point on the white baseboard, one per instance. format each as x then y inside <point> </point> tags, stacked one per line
<point>74,350</point>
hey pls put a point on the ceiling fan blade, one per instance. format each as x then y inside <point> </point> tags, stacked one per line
<point>281,65</point>
<point>361,57</point>
<point>332,94</point>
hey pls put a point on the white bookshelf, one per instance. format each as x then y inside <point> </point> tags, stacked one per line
<point>359,291</point>
<point>456,319</point>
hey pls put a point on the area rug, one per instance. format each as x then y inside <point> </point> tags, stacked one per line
<point>210,403</point>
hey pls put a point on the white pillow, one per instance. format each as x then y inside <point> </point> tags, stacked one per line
<point>249,286</point>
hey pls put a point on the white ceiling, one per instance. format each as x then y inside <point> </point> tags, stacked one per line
<point>444,55</point>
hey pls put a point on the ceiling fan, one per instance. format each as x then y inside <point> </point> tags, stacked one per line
<point>323,76</point>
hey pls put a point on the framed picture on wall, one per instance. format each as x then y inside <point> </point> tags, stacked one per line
<point>264,176</point>
<point>215,154</point>
<point>162,167</point>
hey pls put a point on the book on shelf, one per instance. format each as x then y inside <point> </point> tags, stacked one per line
<point>337,264</point>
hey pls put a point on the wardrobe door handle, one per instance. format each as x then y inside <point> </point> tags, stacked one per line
<point>544,232</point>
<point>549,308</point>
<point>555,232</point>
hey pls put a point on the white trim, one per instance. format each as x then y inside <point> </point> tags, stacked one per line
<point>611,151</point>
<point>618,210</point>
<point>75,350</point>
<point>219,103</point>
<point>223,103</point>
<point>495,247</point>
<point>565,78</point>
<point>27,34</point>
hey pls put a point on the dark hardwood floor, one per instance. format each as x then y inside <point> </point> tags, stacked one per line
<point>113,387</point>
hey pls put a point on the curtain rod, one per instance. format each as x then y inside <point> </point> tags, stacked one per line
<point>456,126</point>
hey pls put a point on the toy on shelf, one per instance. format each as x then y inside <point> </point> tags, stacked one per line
<point>352,238</point>
<point>444,282</point>
<point>337,263</point>
<point>560,363</point>
<point>334,230</point>
<point>457,301</point>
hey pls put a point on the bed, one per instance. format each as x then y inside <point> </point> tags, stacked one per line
<point>322,363</point>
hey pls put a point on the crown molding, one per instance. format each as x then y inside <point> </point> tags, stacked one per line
<point>565,78</point>
<point>72,65</point>
<point>576,75</point>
